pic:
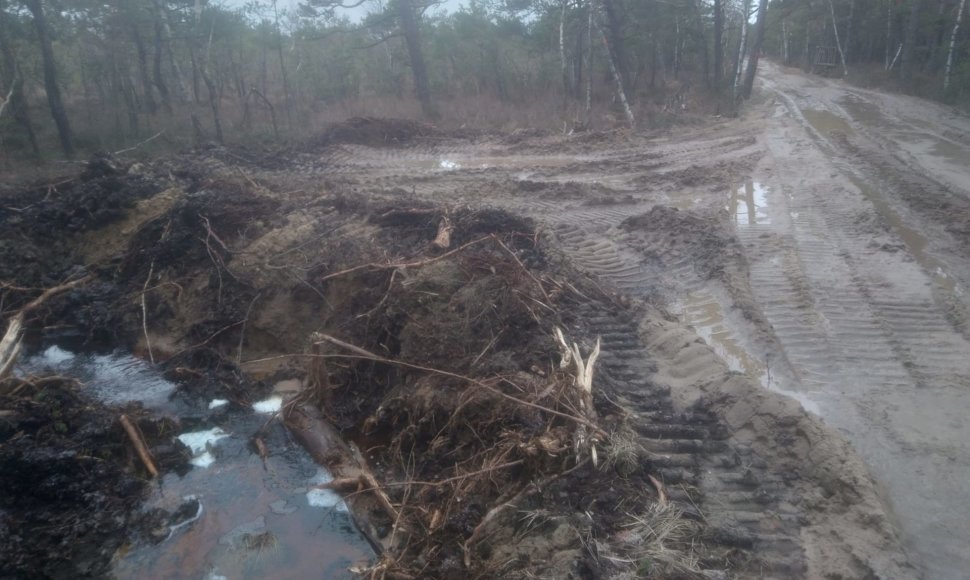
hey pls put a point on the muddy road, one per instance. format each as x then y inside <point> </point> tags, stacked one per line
<point>819,246</point>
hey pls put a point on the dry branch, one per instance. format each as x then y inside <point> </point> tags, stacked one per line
<point>138,440</point>
<point>374,357</point>
<point>10,344</point>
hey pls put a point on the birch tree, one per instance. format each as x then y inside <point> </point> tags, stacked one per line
<point>953,42</point>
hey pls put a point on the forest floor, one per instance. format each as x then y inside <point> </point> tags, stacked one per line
<point>778,298</point>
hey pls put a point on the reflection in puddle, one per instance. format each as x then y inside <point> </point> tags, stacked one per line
<point>703,312</point>
<point>750,204</point>
<point>826,122</point>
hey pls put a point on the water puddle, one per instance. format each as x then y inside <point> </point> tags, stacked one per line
<point>749,204</point>
<point>866,113</point>
<point>704,314</point>
<point>462,162</point>
<point>234,515</point>
<point>826,122</point>
<point>113,377</point>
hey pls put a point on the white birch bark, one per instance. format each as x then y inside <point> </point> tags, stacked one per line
<point>953,41</point>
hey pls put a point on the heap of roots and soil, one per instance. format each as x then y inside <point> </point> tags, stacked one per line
<point>427,335</point>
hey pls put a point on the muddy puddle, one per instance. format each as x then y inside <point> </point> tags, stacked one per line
<point>704,313</point>
<point>234,514</point>
<point>749,204</point>
<point>827,123</point>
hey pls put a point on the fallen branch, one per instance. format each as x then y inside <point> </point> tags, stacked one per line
<point>11,342</point>
<point>524,269</point>
<point>137,145</point>
<point>139,442</point>
<point>415,264</point>
<point>144,313</point>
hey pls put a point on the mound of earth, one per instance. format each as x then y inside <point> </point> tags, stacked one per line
<point>373,132</point>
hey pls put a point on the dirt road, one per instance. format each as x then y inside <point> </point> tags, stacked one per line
<point>836,275</point>
<point>863,274</point>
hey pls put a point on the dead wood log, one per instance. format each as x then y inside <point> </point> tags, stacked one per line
<point>138,440</point>
<point>325,445</point>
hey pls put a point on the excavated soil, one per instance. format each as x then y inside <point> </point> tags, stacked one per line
<point>438,358</point>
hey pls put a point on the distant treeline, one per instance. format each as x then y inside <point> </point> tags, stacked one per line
<point>103,74</point>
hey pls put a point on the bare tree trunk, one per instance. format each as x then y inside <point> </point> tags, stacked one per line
<point>838,43</point>
<point>618,83</point>
<point>718,43</point>
<point>158,77</point>
<point>617,45</point>
<point>907,64</point>
<point>589,62</point>
<point>279,51</point>
<point>36,8</point>
<point>562,53</point>
<point>17,100</point>
<point>953,41</point>
<point>759,37</point>
<point>742,45</point>
<point>412,37</point>
<point>889,30</point>
<point>161,19</point>
<point>146,83</point>
<point>785,54</point>
<point>848,31</point>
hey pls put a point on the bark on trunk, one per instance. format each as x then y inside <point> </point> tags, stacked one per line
<point>718,43</point>
<point>617,46</point>
<point>157,75</point>
<point>36,8</point>
<point>412,37</point>
<point>759,37</point>
<point>589,62</point>
<point>742,45</point>
<point>838,43</point>
<point>618,83</point>
<point>18,101</point>
<point>562,53</point>
<point>146,84</point>
<point>907,65</point>
<point>953,42</point>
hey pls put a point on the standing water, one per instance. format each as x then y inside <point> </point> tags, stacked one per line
<point>234,514</point>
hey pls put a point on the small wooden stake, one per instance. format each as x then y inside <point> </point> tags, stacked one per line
<point>139,442</point>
